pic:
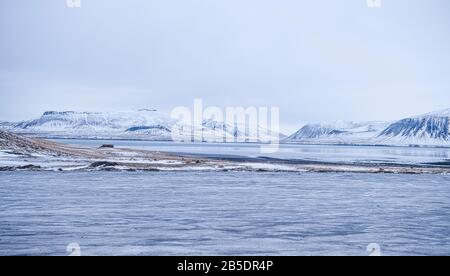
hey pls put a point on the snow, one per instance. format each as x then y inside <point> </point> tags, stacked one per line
<point>440,113</point>
<point>431,129</point>
<point>93,124</point>
<point>338,130</point>
<point>142,124</point>
<point>273,167</point>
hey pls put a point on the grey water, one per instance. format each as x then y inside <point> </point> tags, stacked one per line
<point>318,153</point>
<point>223,213</point>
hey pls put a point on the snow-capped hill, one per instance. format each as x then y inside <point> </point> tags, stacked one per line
<point>314,131</point>
<point>431,127</point>
<point>338,132</point>
<point>70,120</point>
<point>123,124</point>
<point>428,129</point>
<point>146,124</point>
<point>229,130</point>
<point>211,130</point>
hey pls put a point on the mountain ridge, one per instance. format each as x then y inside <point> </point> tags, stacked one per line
<point>145,124</point>
<point>430,129</point>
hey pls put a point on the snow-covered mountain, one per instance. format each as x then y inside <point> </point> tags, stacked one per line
<point>432,129</point>
<point>428,129</point>
<point>220,131</point>
<point>96,125</point>
<point>142,124</point>
<point>338,132</point>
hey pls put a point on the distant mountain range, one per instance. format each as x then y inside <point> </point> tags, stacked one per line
<point>430,129</point>
<point>426,130</point>
<point>142,124</point>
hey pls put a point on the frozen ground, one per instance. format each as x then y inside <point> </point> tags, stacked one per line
<point>225,213</point>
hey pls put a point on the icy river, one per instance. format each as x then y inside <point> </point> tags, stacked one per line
<point>320,153</point>
<point>223,213</point>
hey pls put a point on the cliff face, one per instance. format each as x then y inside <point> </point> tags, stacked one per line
<point>420,128</point>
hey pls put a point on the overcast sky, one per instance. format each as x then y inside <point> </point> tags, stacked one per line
<point>318,60</point>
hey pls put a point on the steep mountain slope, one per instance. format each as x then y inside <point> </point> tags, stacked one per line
<point>428,129</point>
<point>432,129</point>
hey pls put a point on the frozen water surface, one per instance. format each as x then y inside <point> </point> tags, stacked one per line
<point>220,213</point>
<point>321,153</point>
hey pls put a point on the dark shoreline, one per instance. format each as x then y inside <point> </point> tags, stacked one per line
<point>281,142</point>
<point>276,161</point>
